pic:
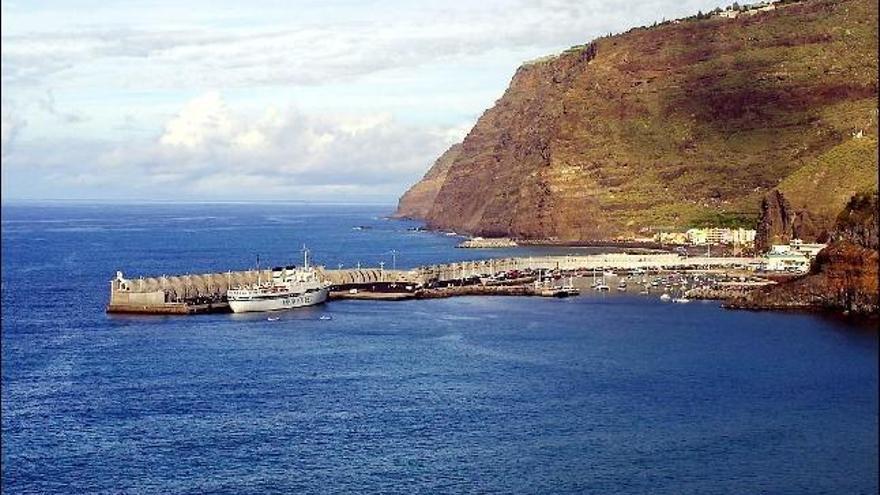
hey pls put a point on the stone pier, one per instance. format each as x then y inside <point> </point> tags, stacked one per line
<point>196,293</point>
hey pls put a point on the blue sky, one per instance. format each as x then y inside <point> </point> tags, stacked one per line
<point>265,100</point>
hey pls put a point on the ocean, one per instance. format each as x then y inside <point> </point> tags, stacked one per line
<point>594,394</point>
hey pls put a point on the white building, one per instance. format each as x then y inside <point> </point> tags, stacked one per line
<point>742,237</point>
<point>779,249</point>
<point>794,256</point>
<point>697,237</point>
<point>714,235</point>
<point>811,250</point>
<point>787,261</point>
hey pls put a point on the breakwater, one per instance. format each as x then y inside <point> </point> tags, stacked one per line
<point>725,291</point>
<point>200,293</point>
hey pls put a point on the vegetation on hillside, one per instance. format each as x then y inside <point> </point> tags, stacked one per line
<point>677,125</point>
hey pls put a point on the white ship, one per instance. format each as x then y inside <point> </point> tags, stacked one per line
<point>290,287</point>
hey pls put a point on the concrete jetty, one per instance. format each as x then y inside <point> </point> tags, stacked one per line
<point>202,293</point>
<point>486,243</point>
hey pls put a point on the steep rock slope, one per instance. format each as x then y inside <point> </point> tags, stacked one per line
<point>781,222</point>
<point>417,201</point>
<point>662,127</point>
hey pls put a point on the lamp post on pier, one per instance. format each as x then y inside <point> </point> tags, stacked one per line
<point>394,259</point>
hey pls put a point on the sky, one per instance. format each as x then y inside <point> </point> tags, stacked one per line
<point>331,101</point>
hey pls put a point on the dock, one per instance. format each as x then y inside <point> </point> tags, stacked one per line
<point>487,243</point>
<point>206,293</point>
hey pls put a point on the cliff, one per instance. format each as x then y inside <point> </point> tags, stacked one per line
<point>781,222</point>
<point>858,222</point>
<point>668,126</point>
<point>417,201</point>
<point>844,276</point>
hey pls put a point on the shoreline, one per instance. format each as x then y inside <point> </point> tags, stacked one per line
<point>644,246</point>
<point>871,319</point>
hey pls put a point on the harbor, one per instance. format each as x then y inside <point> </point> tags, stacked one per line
<point>548,276</point>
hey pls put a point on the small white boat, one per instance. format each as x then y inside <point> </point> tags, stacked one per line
<point>273,318</point>
<point>325,317</point>
<point>570,289</point>
<point>665,297</point>
<point>681,300</point>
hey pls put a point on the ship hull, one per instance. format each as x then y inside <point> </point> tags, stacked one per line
<point>276,303</point>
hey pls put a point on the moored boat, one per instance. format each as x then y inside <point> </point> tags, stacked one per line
<point>290,287</point>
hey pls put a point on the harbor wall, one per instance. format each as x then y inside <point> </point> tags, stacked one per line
<point>207,292</point>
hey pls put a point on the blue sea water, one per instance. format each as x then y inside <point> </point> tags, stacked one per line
<point>595,394</point>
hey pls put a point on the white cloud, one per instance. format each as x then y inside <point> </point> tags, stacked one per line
<point>208,149</point>
<point>12,124</point>
<point>310,52</point>
<point>47,104</point>
<point>202,119</point>
<point>386,86</point>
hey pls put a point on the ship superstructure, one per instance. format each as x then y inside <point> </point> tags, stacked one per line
<point>290,287</point>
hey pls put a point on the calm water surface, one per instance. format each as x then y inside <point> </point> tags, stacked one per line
<point>596,394</point>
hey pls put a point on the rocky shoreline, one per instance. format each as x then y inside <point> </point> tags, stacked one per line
<point>844,275</point>
<point>718,293</point>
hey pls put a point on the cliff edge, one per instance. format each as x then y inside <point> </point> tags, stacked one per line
<point>418,200</point>
<point>664,127</point>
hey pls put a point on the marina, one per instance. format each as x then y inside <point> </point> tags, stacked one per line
<point>547,276</point>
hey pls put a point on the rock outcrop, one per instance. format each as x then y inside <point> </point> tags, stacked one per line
<point>661,127</point>
<point>858,222</point>
<point>780,223</point>
<point>843,277</point>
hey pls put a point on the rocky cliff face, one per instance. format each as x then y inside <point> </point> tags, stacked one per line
<point>844,276</point>
<point>858,223</point>
<point>661,127</point>
<point>418,200</point>
<point>502,183</point>
<point>780,223</point>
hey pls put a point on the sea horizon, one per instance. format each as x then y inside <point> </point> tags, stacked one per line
<point>98,201</point>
